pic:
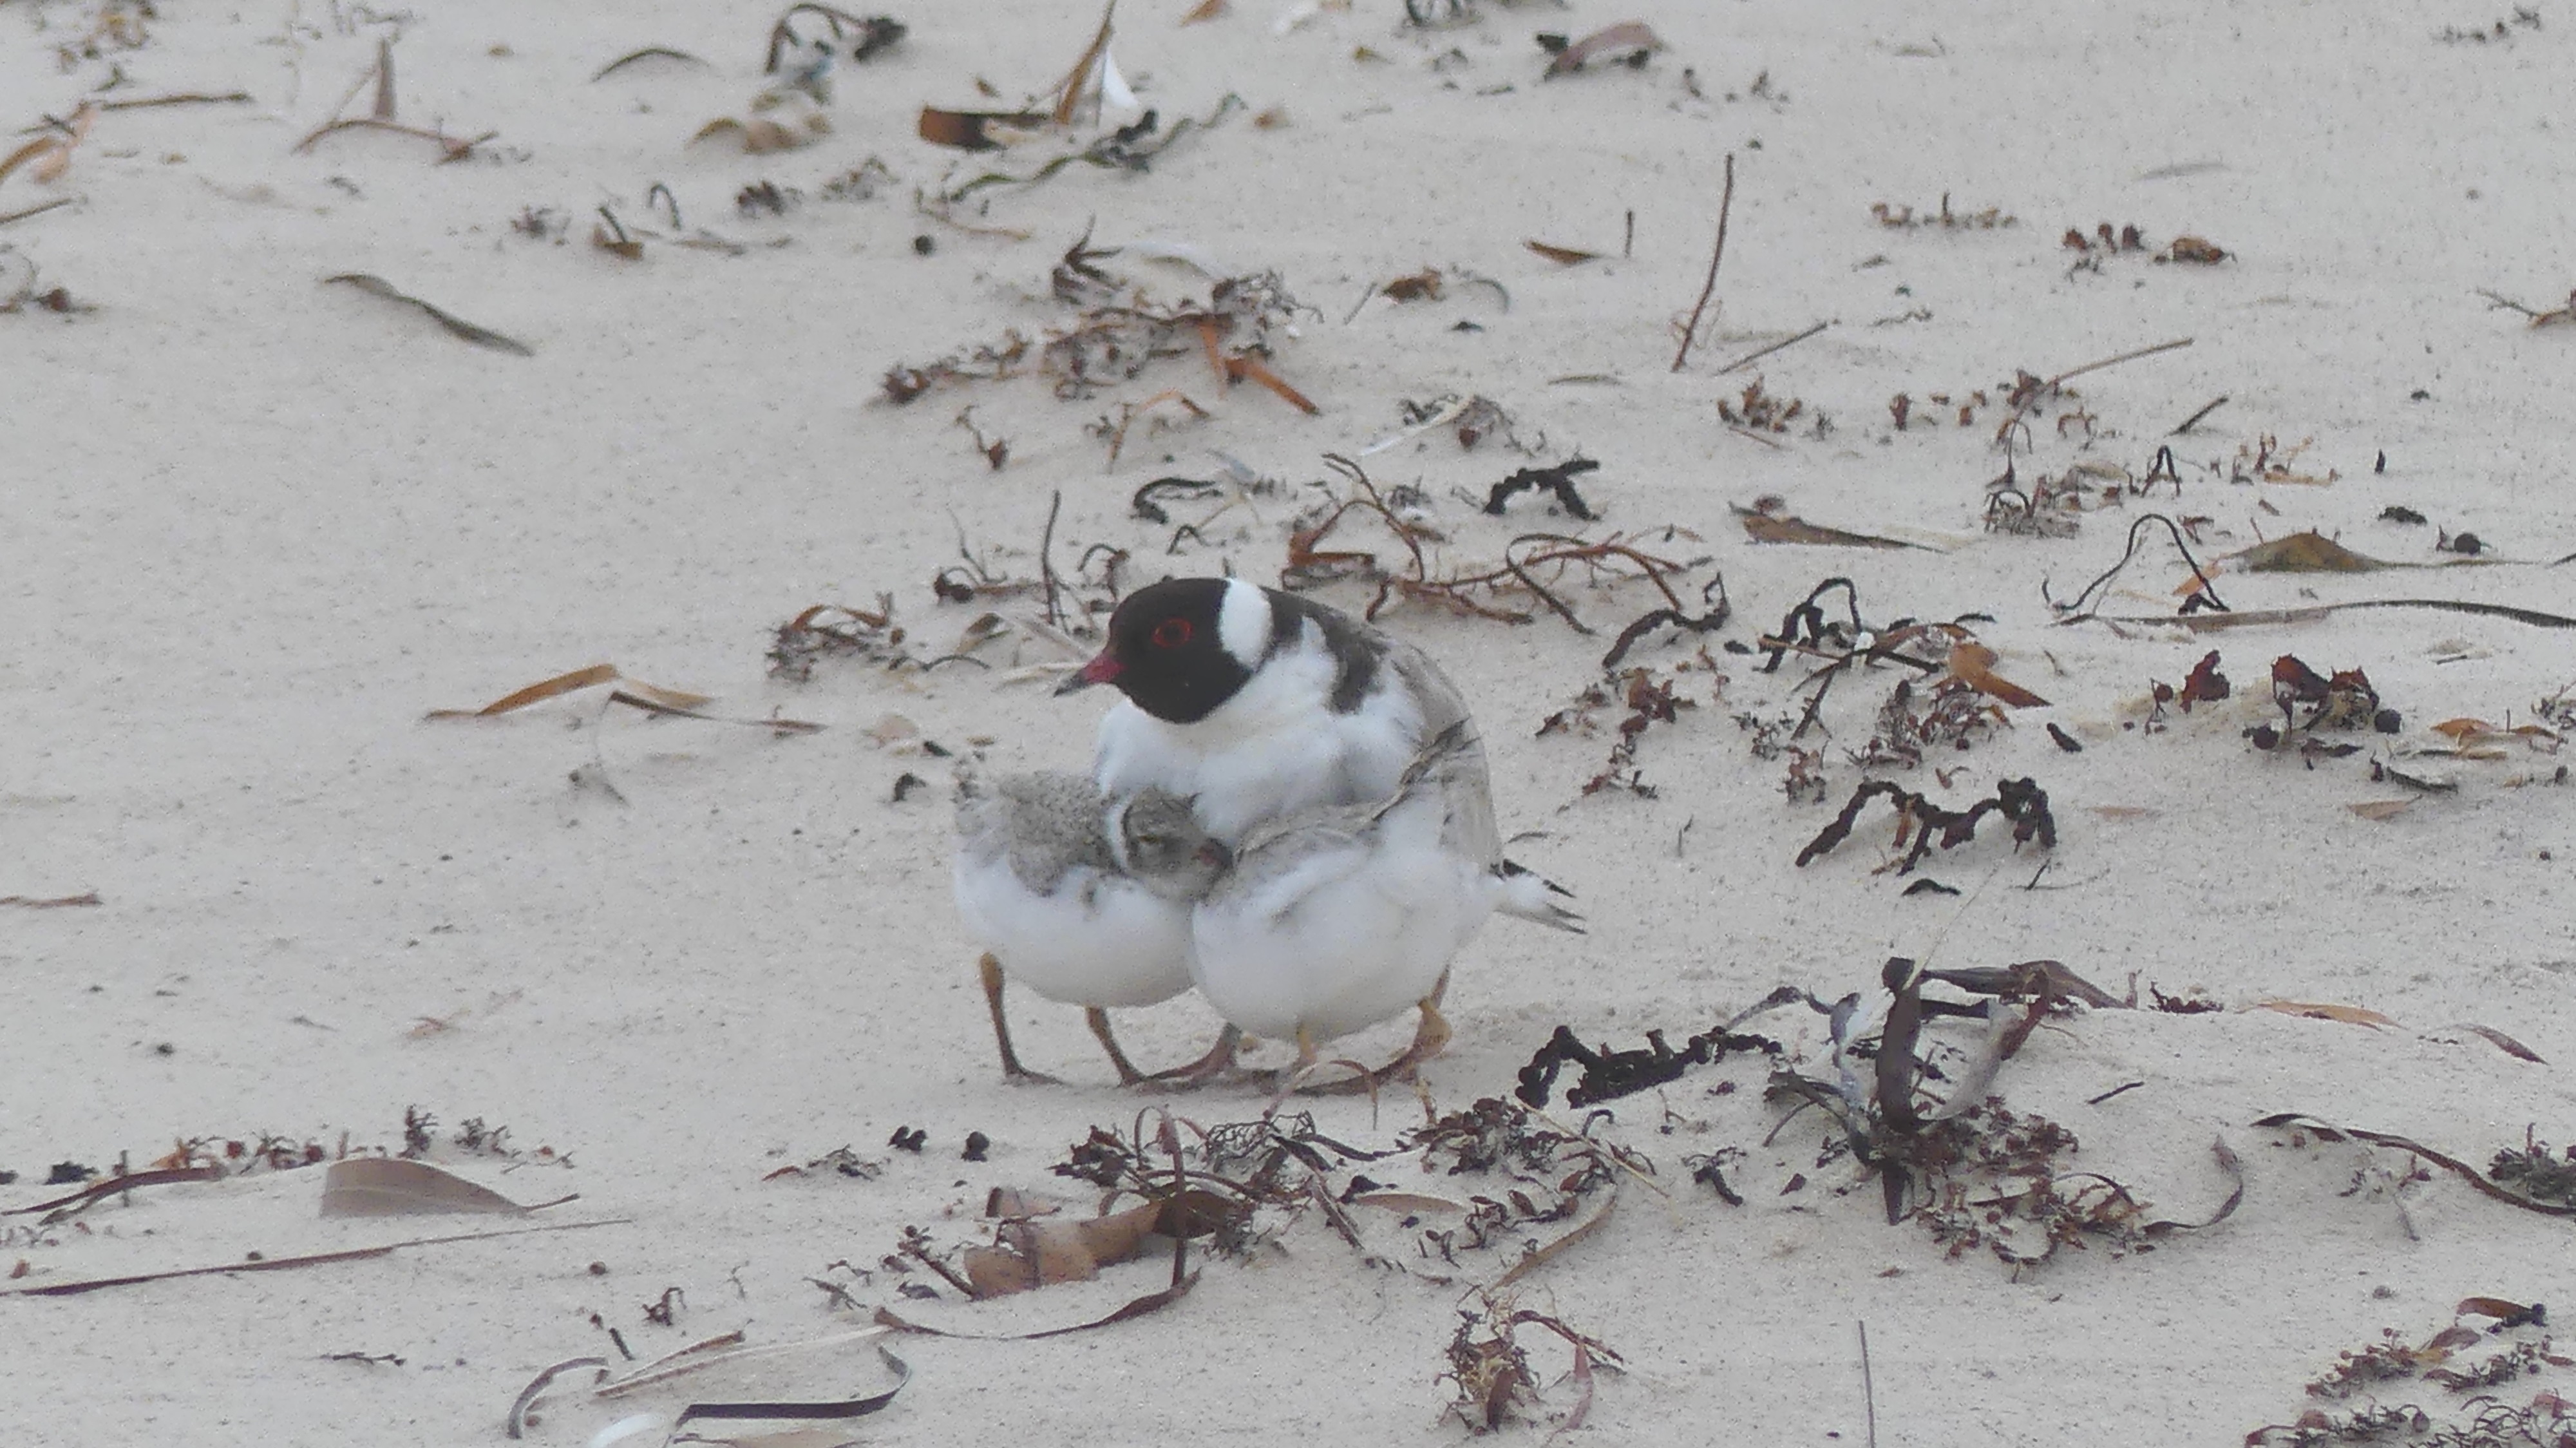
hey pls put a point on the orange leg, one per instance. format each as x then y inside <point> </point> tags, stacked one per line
<point>1012,1070</point>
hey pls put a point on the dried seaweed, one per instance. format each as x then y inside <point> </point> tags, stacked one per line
<point>1491,1371</point>
<point>1119,332</point>
<point>2020,801</point>
<point>456,326</point>
<point>1133,147</point>
<point>830,630</point>
<point>1558,480</point>
<point>2309,1125</point>
<point>1609,1074</point>
<point>876,33</point>
<point>279,1264</point>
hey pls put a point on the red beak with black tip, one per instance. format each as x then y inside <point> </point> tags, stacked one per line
<point>1104,668</point>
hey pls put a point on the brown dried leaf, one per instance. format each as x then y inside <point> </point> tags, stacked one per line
<point>1069,91</point>
<point>2194,249</point>
<point>2309,552</point>
<point>1031,1254</point>
<point>1626,36</point>
<point>2503,1042</point>
<point>761,135</point>
<point>1204,10</point>
<point>1562,255</point>
<point>457,327</point>
<point>1150,1302</point>
<point>51,155</point>
<point>2229,1163</point>
<point>1540,1256</point>
<point>382,1186</point>
<point>537,693</point>
<point>2381,809</point>
<point>1772,526</point>
<point>2349,1015</point>
<point>2495,1307</point>
<point>1973,664</point>
<point>971,130</point>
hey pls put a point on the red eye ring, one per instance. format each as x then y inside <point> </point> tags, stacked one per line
<point>1171,633</point>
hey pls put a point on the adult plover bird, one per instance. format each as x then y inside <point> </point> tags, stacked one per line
<point>1259,705</point>
<point>1081,897</point>
<point>1333,919</point>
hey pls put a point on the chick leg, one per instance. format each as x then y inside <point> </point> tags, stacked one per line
<point>1098,1020</point>
<point>1012,1070</point>
<point>1295,1071</point>
<point>1431,1035</point>
<point>1218,1060</point>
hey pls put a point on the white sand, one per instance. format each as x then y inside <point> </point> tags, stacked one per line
<point>257,526</point>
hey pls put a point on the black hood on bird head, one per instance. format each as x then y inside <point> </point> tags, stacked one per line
<point>1165,654</point>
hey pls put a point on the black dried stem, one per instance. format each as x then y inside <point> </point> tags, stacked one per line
<point>1805,622</point>
<point>1719,611</point>
<point>1749,358</point>
<point>1046,560</point>
<point>2192,421</point>
<point>1726,204</point>
<point>2206,597</point>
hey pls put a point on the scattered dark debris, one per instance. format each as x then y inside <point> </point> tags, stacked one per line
<point>663,1311</point>
<point>2020,801</point>
<point>1719,610</point>
<point>1145,504</point>
<point>1492,1373</point>
<point>1954,713</point>
<point>859,183</point>
<point>67,1173</point>
<point>1929,886</point>
<point>909,1138</point>
<point>839,1161</point>
<point>2538,318</point>
<point>2203,685</point>
<point>2266,460</point>
<point>856,37</point>
<point>1709,1170</point>
<point>1758,411</point>
<point>828,630</point>
<point>540,223</point>
<point>996,451</point>
<point>1904,218</point>
<point>1133,147</point>
<point>2192,1002</point>
<point>1610,1074</point>
<point>2524,17</point>
<point>2105,241</point>
<point>2344,701</point>
<point>1558,479</point>
<point>904,786</point>
<point>2467,545</point>
<point>977,1146</point>
<point>1530,564</point>
<point>2400,513</point>
<point>417,1126</point>
<point>2064,740</point>
<point>2302,1126</point>
<point>2533,1171</point>
<point>2205,597</point>
<point>1648,694</point>
<point>767,198</point>
<point>1119,332</point>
